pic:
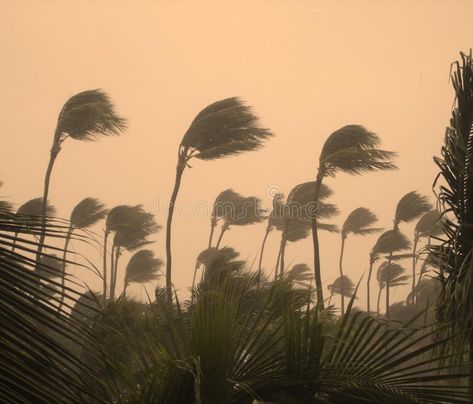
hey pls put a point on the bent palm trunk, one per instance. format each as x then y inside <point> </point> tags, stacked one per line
<point>261,256</point>
<point>64,259</point>
<point>342,298</point>
<point>315,241</point>
<point>368,286</point>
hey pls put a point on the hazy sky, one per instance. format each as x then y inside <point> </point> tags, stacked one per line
<point>307,68</point>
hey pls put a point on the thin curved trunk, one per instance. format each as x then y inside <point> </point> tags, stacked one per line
<point>115,271</point>
<point>104,275</point>
<point>379,300</point>
<point>124,290</point>
<point>44,201</point>
<point>14,241</point>
<point>330,298</point>
<point>276,269</point>
<point>261,255</point>
<point>63,273</point>
<point>342,298</point>
<point>224,229</point>
<point>368,285</point>
<point>387,283</point>
<point>212,228</point>
<point>414,261</point>
<point>315,242</point>
<point>283,252</point>
<point>172,202</point>
<point>193,283</point>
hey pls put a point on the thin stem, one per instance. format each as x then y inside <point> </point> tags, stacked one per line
<point>213,223</point>
<point>379,299</point>
<point>283,252</point>
<point>224,229</point>
<point>414,261</point>
<point>64,259</point>
<point>104,277</point>
<point>342,297</point>
<point>315,241</point>
<point>368,284</point>
<point>388,275</point>
<point>261,254</point>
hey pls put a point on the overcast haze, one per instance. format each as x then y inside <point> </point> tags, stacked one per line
<point>307,68</point>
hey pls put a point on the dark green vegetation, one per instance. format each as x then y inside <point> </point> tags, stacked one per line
<point>243,335</point>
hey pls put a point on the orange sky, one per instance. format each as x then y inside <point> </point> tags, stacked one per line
<point>307,67</point>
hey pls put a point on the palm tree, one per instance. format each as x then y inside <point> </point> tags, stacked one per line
<point>143,267</point>
<point>300,274</point>
<point>85,214</point>
<point>388,242</point>
<point>224,206</point>
<point>357,223</point>
<point>297,215</point>
<point>351,149</point>
<point>131,226</point>
<point>411,206</point>
<point>86,116</point>
<point>342,286</point>
<point>222,129</point>
<point>243,211</point>
<point>29,214</point>
<point>389,275</point>
<point>428,225</point>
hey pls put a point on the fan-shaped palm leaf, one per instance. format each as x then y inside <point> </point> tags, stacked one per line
<point>224,128</point>
<point>342,286</point>
<point>300,273</point>
<point>354,150</point>
<point>410,207</point>
<point>389,275</point>
<point>143,267</point>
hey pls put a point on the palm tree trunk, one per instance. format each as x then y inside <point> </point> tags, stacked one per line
<point>179,171</point>
<point>379,299</point>
<point>193,283</point>
<point>124,290</point>
<point>115,271</point>
<point>283,252</point>
<point>261,256</point>
<point>276,269</point>
<point>224,229</point>
<point>342,297</point>
<point>212,228</point>
<point>387,284</point>
<point>315,241</point>
<point>64,258</point>
<point>414,261</point>
<point>104,275</point>
<point>368,285</point>
<point>330,298</point>
<point>44,203</point>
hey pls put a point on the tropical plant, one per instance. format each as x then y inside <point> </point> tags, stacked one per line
<point>342,286</point>
<point>351,149</point>
<point>222,129</point>
<point>87,117</point>
<point>300,274</point>
<point>389,275</point>
<point>143,267</point>
<point>358,223</point>
<point>388,242</point>
<point>84,215</point>
<point>427,226</point>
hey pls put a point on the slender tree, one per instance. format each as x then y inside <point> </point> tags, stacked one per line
<point>142,267</point>
<point>224,128</point>
<point>428,225</point>
<point>342,286</point>
<point>86,116</point>
<point>85,214</point>
<point>357,223</point>
<point>389,275</point>
<point>388,242</point>
<point>351,149</point>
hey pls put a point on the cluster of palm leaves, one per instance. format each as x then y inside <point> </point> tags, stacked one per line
<point>242,335</point>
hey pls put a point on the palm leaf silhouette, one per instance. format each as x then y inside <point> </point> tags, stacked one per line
<point>389,275</point>
<point>351,149</point>
<point>143,267</point>
<point>222,129</point>
<point>410,207</point>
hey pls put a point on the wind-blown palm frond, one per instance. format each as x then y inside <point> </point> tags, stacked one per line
<point>143,267</point>
<point>220,263</point>
<point>390,241</point>
<point>348,286</point>
<point>87,212</point>
<point>429,224</point>
<point>392,273</point>
<point>300,273</point>
<point>88,116</point>
<point>359,223</point>
<point>32,209</point>
<point>410,207</point>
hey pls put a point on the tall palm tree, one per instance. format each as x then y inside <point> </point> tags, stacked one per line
<point>244,211</point>
<point>297,215</point>
<point>389,275</point>
<point>84,215</point>
<point>428,225</point>
<point>388,242</point>
<point>351,149</point>
<point>357,223</point>
<point>411,206</point>
<point>143,267</point>
<point>342,286</point>
<point>131,226</point>
<point>30,213</point>
<point>222,129</point>
<point>86,116</point>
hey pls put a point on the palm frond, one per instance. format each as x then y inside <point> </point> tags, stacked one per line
<point>348,286</point>
<point>142,267</point>
<point>410,207</point>
<point>359,223</point>
<point>392,273</point>
<point>87,212</point>
<point>390,241</point>
<point>429,224</point>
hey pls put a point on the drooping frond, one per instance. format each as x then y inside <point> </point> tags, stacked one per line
<point>88,116</point>
<point>87,212</point>
<point>225,204</point>
<point>300,273</point>
<point>248,211</point>
<point>429,224</point>
<point>143,267</point>
<point>224,128</point>
<point>353,149</point>
<point>220,263</point>
<point>410,207</point>
<point>32,208</point>
<point>390,241</point>
<point>392,273</point>
<point>359,223</point>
